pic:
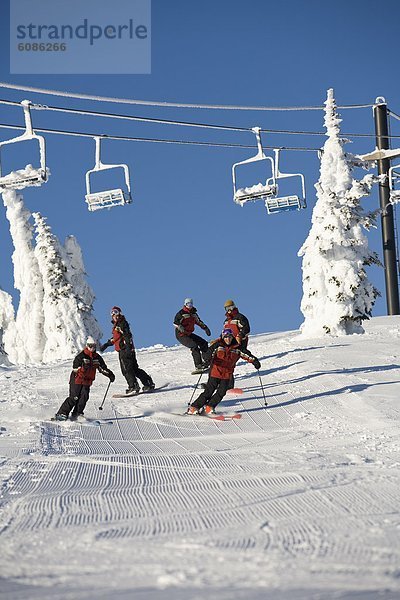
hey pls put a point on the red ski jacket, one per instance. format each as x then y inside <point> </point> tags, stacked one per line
<point>121,336</point>
<point>239,324</point>
<point>187,318</point>
<point>224,358</point>
<point>85,365</point>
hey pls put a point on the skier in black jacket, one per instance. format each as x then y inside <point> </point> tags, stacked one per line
<point>123,341</point>
<point>185,321</point>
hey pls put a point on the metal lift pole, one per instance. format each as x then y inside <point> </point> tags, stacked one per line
<point>387,220</point>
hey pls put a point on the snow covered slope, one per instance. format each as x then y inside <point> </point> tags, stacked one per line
<point>295,501</point>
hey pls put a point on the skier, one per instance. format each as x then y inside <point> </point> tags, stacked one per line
<point>82,376</point>
<point>184,323</point>
<point>225,352</point>
<point>123,341</point>
<point>237,322</point>
<point>240,326</point>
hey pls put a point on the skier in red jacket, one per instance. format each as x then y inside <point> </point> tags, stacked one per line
<point>225,352</point>
<point>240,326</point>
<point>238,322</point>
<point>84,368</point>
<point>185,321</point>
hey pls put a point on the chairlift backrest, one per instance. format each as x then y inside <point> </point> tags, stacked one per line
<point>285,203</point>
<point>106,198</point>
<point>394,181</point>
<point>259,191</point>
<point>28,176</point>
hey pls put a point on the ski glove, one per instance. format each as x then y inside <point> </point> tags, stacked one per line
<point>111,376</point>
<point>181,329</point>
<point>207,330</point>
<point>256,363</point>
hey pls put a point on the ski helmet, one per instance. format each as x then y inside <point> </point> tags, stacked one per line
<point>188,302</point>
<point>116,310</point>
<point>226,332</point>
<point>229,305</point>
<point>90,342</point>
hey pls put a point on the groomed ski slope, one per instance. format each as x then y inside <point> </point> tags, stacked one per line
<point>296,501</point>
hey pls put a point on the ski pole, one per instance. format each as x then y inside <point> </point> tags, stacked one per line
<point>105,395</point>
<point>265,402</point>
<point>194,391</point>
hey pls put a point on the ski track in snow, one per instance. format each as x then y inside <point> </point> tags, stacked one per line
<point>302,494</point>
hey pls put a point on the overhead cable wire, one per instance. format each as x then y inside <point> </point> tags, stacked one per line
<point>92,113</point>
<point>67,94</point>
<point>393,114</point>
<point>154,140</point>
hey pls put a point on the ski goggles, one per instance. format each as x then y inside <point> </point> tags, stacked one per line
<point>115,312</point>
<point>93,346</point>
<point>226,335</point>
<point>189,304</point>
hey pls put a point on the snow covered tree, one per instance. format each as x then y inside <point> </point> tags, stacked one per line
<point>29,340</point>
<point>76,275</point>
<point>54,316</point>
<point>64,325</point>
<point>337,295</point>
<point>7,325</point>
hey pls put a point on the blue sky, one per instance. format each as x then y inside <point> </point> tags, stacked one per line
<point>183,235</point>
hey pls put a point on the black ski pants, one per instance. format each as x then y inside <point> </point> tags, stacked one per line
<point>213,393</point>
<point>77,399</point>
<point>131,370</point>
<point>198,347</point>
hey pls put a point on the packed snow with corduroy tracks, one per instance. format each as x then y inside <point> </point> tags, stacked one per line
<point>299,500</point>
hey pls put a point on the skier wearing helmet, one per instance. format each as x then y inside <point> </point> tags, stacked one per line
<point>123,341</point>
<point>240,326</point>
<point>225,352</point>
<point>84,368</point>
<point>185,321</point>
<point>237,322</point>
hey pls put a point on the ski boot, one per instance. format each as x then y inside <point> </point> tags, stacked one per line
<point>60,417</point>
<point>149,388</point>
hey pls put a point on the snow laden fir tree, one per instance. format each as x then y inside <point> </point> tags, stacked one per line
<point>54,315</point>
<point>337,295</point>
<point>64,310</point>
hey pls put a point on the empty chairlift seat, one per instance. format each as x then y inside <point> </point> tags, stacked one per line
<point>284,203</point>
<point>28,176</point>
<point>106,198</point>
<point>259,191</point>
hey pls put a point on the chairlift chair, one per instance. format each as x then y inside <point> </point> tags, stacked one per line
<point>278,203</point>
<point>106,198</point>
<point>29,176</point>
<point>394,184</point>
<point>260,191</point>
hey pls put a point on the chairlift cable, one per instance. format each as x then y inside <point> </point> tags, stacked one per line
<point>154,140</point>
<point>67,94</point>
<point>180,123</point>
<point>93,113</point>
